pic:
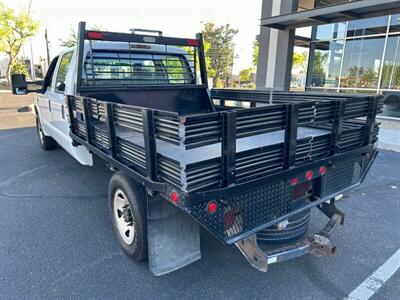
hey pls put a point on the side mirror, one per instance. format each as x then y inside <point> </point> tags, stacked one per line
<point>18,84</point>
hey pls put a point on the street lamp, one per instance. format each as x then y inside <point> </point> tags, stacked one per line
<point>30,44</point>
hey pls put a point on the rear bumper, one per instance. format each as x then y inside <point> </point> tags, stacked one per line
<point>317,244</point>
<point>245,209</point>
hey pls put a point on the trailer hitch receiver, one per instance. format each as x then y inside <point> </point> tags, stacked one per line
<point>317,244</point>
<point>321,246</point>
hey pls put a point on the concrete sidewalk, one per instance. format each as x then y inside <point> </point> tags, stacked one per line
<point>389,134</point>
<point>15,112</point>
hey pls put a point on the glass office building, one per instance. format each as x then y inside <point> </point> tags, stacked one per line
<point>356,56</point>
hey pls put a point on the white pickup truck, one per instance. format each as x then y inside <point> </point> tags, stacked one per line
<point>248,166</point>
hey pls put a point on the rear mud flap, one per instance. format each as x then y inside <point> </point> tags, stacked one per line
<point>173,237</point>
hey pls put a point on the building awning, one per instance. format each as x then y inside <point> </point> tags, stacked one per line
<point>334,13</point>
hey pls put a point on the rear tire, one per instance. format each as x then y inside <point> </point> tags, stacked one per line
<point>127,204</point>
<point>47,142</point>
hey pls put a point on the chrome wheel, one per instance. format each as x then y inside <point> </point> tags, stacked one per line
<point>123,217</point>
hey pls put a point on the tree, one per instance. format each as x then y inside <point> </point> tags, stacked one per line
<point>353,76</point>
<point>15,29</point>
<point>388,72</point>
<point>319,63</point>
<point>318,71</point>
<point>391,76</point>
<point>369,78</point>
<point>256,49</point>
<point>210,71</point>
<point>70,41</point>
<point>219,49</point>
<point>206,45</point>
<point>300,61</point>
<point>245,75</point>
<point>19,67</point>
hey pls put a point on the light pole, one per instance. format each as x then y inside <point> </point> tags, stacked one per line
<point>30,44</point>
<point>47,48</point>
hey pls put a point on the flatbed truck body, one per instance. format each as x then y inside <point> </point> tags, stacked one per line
<point>246,165</point>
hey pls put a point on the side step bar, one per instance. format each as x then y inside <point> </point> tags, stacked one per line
<point>317,244</point>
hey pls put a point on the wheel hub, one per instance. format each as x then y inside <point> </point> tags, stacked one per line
<point>127,214</point>
<point>123,217</point>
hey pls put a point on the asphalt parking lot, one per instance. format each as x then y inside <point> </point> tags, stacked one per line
<point>56,239</point>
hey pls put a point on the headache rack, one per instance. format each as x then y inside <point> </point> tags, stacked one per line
<point>156,61</point>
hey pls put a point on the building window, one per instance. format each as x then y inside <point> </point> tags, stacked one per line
<point>361,62</point>
<point>359,56</point>
<point>321,3</point>
<point>391,64</point>
<point>367,26</point>
<point>395,23</point>
<point>331,31</point>
<point>310,4</point>
<point>326,63</point>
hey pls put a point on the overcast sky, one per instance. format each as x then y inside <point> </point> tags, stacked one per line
<point>181,18</point>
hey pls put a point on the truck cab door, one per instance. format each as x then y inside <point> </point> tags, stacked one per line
<point>59,120</point>
<point>43,99</point>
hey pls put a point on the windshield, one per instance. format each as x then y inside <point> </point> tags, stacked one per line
<point>124,68</point>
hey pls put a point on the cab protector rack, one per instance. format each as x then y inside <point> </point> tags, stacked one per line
<point>133,40</point>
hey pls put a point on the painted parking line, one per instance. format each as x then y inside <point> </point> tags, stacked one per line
<point>377,279</point>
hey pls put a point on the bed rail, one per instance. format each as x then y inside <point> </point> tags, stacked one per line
<point>107,126</point>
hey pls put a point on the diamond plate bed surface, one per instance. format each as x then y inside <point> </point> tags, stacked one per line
<point>185,157</point>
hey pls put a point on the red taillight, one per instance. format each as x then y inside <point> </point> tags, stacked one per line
<point>212,207</point>
<point>309,175</point>
<point>95,35</point>
<point>294,181</point>
<point>174,197</point>
<point>322,170</point>
<point>193,43</point>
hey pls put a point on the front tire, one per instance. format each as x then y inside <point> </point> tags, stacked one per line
<point>127,204</point>
<point>46,142</point>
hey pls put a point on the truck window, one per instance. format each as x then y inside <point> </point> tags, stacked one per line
<point>121,68</point>
<point>49,75</point>
<point>62,71</point>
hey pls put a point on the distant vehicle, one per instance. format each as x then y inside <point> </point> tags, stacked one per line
<point>391,106</point>
<point>246,165</point>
